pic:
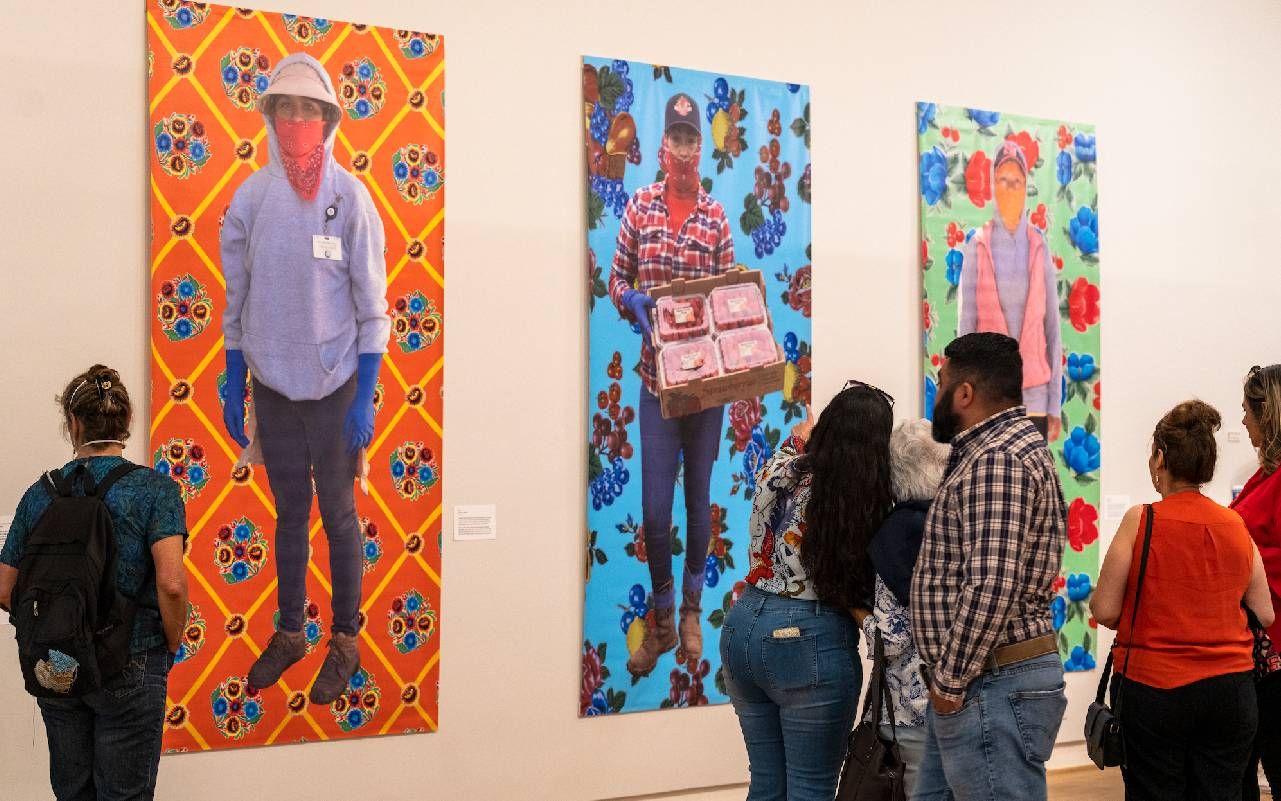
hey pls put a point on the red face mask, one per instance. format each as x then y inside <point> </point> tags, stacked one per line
<point>682,174</point>
<point>302,149</point>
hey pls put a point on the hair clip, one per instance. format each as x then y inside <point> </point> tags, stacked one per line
<point>102,385</point>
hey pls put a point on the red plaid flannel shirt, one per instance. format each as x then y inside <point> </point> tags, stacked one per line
<point>648,255</point>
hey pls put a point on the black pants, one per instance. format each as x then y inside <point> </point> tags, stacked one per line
<point>1267,742</point>
<point>1191,742</point>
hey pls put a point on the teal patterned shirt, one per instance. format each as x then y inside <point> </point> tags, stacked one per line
<point>146,507</point>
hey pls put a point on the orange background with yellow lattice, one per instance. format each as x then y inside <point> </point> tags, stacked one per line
<point>184,76</point>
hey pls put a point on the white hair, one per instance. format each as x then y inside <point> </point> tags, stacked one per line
<point>917,462</point>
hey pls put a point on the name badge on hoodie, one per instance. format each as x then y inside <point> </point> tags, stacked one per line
<point>326,247</point>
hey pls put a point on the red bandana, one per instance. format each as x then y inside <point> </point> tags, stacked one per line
<point>302,149</point>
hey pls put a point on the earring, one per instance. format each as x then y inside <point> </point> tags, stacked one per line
<point>1156,483</point>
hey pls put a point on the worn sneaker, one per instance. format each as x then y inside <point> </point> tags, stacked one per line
<point>341,663</point>
<point>285,648</point>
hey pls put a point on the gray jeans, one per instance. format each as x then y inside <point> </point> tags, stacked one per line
<point>302,440</point>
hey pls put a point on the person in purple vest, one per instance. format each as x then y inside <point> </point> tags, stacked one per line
<point>1008,286</point>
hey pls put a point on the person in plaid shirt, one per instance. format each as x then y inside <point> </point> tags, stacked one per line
<point>983,584</point>
<point>671,229</point>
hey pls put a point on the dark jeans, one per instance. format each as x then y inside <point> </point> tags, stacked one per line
<point>1267,741</point>
<point>106,745</point>
<point>796,697</point>
<point>698,437</point>
<point>302,440</point>
<point>1191,742</point>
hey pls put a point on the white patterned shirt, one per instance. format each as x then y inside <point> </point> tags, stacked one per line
<point>902,662</point>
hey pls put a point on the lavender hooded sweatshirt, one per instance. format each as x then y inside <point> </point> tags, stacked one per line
<point>301,321</point>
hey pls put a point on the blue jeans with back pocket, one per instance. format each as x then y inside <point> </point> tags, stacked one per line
<point>994,748</point>
<point>105,746</point>
<point>792,670</point>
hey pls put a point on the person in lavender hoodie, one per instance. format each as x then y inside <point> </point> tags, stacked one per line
<point>1008,286</point>
<point>302,254</point>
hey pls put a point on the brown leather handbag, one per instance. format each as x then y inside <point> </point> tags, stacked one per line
<point>873,768</point>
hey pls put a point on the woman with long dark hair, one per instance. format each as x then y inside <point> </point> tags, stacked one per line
<point>789,645</point>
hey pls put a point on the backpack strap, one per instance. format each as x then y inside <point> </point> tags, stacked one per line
<point>58,485</point>
<point>118,472</point>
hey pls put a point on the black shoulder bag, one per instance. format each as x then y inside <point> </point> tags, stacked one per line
<point>1103,740</point>
<point>873,766</point>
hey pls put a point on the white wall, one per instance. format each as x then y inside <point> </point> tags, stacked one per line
<point>1185,100</point>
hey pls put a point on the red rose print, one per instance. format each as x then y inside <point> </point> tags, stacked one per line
<point>1039,217</point>
<point>978,179</point>
<point>744,415</point>
<point>1065,137</point>
<point>1059,584</point>
<point>799,292</point>
<point>955,235</point>
<point>1083,304</point>
<point>591,678</point>
<point>1098,395</point>
<point>1030,147</point>
<point>1083,524</point>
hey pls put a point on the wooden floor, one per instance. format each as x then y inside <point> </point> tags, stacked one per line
<point>1086,784</point>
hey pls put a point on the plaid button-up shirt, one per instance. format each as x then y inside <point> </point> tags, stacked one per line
<point>992,549</point>
<point>648,255</point>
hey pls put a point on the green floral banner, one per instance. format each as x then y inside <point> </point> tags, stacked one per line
<point>1010,243</point>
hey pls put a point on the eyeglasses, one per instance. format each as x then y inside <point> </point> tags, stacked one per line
<point>854,382</point>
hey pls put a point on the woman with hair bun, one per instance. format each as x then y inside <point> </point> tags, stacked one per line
<point>106,743</point>
<point>1259,505</point>
<point>1186,663</point>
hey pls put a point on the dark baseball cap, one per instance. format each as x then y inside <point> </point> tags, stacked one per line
<point>682,110</point>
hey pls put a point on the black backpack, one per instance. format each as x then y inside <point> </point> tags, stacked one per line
<point>73,625</point>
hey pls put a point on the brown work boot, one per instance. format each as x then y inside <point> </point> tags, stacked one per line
<point>341,663</point>
<point>660,637</point>
<point>691,628</point>
<point>284,649</point>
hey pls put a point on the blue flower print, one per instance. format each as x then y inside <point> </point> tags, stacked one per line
<point>1080,366</point>
<point>1083,229</point>
<point>954,261</point>
<point>1063,168</point>
<point>1080,660</point>
<point>230,74</point>
<point>1059,608</point>
<point>164,143</point>
<point>240,571</point>
<point>931,392</point>
<point>1086,149</point>
<point>261,84</point>
<point>1078,586</point>
<point>983,119</point>
<point>1081,451</point>
<point>924,116</point>
<point>933,175</point>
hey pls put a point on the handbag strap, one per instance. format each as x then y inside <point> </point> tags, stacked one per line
<point>878,690</point>
<point>1134,614</point>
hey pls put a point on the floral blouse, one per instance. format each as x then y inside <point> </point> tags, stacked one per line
<point>902,662</point>
<point>777,526</point>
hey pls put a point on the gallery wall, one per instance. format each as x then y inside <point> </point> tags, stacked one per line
<point>1183,100</point>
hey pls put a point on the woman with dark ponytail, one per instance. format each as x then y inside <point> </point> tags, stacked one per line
<point>789,645</point>
<point>106,743</point>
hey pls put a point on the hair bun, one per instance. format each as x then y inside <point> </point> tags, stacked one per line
<point>1195,416</point>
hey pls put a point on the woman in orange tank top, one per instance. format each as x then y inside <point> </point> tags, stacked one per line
<point>1189,713</point>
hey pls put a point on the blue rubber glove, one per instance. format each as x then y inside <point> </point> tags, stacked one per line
<point>233,410</point>
<point>639,304</point>
<point>358,428</point>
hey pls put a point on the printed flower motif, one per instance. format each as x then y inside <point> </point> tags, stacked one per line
<point>246,73</point>
<point>1030,147</point>
<point>236,707</point>
<point>978,179</point>
<point>983,119</point>
<point>1086,149</point>
<point>414,470</point>
<point>799,292</point>
<point>931,394</point>
<point>1098,395</point>
<point>955,260</point>
<point>415,323</point>
<point>1080,366</point>
<point>1083,230</point>
<point>1083,304</point>
<point>182,14</point>
<point>307,30</point>
<point>193,635</point>
<point>361,89</point>
<point>1079,661</point>
<point>313,626</point>
<point>755,455</point>
<point>411,621</point>
<point>1081,452</point>
<point>418,173</point>
<point>240,550</point>
<point>593,680</point>
<point>1059,608</point>
<point>1063,168</point>
<point>1078,586</point>
<point>1083,527</point>
<point>372,543</point>
<point>1064,137</point>
<point>183,460</point>
<point>183,308</point>
<point>933,175</point>
<point>744,416</point>
<point>1040,217</point>
<point>925,116</point>
<point>359,704</point>
<point>182,147</point>
<point>416,45</point>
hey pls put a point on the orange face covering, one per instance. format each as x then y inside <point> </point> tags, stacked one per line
<point>302,149</point>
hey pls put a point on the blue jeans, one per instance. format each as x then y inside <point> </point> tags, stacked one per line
<point>105,746</point>
<point>695,438</point>
<point>995,747</point>
<point>796,697</point>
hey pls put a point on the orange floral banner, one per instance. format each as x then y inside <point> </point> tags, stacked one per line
<point>206,67</point>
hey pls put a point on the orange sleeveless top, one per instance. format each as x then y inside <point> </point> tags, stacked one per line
<point>1191,625</point>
